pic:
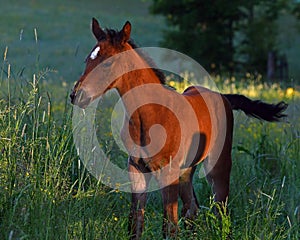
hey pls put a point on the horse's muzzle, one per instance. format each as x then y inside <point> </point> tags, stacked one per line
<point>80,98</point>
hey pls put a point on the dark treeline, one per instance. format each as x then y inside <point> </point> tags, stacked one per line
<point>227,36</point>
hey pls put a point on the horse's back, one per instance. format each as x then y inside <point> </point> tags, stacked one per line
<point>214,101</point>
<point>196,90</point>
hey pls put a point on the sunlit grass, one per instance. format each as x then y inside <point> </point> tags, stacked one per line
<point>253,87</point>
<point>45,193</point>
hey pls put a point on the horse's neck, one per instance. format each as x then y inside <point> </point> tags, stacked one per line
<point>137,71</point>
<point>138,90</point>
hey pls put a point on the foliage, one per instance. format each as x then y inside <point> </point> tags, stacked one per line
<point>258,33</point>
<point>223,35</point>
<point>46,194</point>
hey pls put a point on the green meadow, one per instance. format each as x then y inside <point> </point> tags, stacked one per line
<point>46,193</point>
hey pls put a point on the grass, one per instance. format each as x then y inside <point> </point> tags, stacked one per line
<point>63,31</point>
<point>45,193</point>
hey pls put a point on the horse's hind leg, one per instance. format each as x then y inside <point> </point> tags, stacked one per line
<point>218,175</point>
<point>187,194</point>
<point>218,164</point>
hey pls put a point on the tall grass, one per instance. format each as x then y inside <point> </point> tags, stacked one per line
<point>35,161</point>
<point>45,193</point>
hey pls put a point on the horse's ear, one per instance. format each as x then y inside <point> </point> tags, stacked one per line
<point>97,31</point>
<point>126,30</point>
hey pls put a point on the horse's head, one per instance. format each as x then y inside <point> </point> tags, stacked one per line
<point>109,43</point>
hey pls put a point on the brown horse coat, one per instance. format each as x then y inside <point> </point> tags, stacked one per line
<point>165,133</point>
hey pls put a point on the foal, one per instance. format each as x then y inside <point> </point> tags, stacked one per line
<point>166,133</point>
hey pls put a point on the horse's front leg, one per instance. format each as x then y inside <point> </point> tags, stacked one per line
<point>170,205</point>
<point>139,184</point>
<point>136,216</point>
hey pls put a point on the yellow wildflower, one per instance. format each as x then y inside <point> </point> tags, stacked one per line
<point>289,92</point>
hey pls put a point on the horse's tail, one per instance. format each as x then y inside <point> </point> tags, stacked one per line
<point>257,108</point>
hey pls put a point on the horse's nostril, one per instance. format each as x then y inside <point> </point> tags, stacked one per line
<point>72,96</point>
<point>80,98</point>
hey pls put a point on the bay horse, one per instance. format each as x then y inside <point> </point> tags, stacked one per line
<point>174,135</point>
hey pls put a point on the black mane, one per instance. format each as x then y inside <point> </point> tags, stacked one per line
<point>115,38</point>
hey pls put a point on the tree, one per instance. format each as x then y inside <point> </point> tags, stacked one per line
<point>202,29</point>
<point>257,33</point>
<point>222,35</point>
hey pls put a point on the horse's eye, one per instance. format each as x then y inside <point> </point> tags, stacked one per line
<point>107,63</point>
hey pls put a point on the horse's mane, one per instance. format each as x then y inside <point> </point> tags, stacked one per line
<point>115,38</point>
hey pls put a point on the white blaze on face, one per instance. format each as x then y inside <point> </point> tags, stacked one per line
<point>94,53</point>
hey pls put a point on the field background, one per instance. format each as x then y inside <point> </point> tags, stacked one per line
<point>45,193</point>
<point>63,29</point>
